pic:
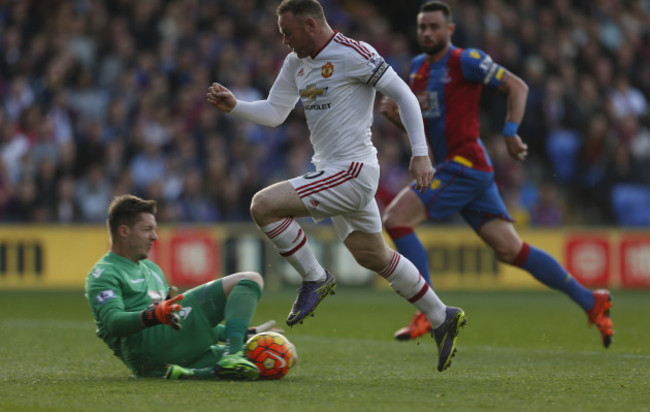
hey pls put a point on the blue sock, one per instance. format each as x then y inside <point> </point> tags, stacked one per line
<point>408,244</point>
<point>549,271</point>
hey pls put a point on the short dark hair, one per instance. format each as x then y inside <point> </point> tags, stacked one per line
<point>302,8</point>
<point>125,210</point>
<point>437,6</point>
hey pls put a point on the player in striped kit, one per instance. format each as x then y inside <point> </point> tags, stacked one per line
<point>448,82</point>
<point>335,78</point>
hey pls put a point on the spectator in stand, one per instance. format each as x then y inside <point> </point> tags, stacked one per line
<point>66,208</point>
<point>93,192</point>
<point>22,204</point>
<point>148,165</point>
<point>194,205</point>
<point>120,67</point>
<point>547,211</point>
<point>626,100</point>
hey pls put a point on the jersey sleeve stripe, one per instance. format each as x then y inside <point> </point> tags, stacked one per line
<point>362,50</point>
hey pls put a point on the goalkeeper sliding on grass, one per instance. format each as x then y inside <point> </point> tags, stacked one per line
<point>156,332</point>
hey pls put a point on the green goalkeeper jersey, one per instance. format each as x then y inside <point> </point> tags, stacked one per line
<point>117,290</point>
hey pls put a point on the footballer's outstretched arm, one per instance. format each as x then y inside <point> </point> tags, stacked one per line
<point>517,91</point>
<point>272,111</point>
<point>261,112</point>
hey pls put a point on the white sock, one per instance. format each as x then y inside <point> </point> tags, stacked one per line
<point>290,240</point>
<point>406,280</point>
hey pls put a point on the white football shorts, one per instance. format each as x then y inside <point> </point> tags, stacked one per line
<point>346,193</point>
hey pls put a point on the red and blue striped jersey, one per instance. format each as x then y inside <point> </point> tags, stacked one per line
<point>449,92</point>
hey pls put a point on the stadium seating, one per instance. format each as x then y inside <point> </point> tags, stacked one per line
<point>562,146</point>
<point>631,204</point>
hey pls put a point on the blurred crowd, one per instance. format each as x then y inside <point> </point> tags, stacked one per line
<point>100,98</point>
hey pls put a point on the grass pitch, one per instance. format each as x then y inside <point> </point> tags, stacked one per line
<point>520,351</point>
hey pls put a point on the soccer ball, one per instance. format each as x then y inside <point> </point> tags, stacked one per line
<point>272,353</point>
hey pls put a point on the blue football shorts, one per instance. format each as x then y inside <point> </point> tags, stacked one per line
<point>459,188</point>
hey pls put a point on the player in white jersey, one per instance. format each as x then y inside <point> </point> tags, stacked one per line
<point>336,78</point>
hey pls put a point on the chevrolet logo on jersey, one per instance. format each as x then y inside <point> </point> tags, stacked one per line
<point>311,92</point>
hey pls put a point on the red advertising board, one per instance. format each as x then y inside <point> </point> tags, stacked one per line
<point>588,259</point>
<point>635,262</point>
<point>188,257</point>
<point>194,258</point>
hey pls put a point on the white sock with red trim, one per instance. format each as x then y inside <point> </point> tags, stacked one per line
<point>290,240</point>
<point>405,279</point>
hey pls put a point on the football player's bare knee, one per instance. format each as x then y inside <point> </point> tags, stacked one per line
<point>398,214</point>
<point>230,281</point>
<point>408,211</point>
<point>255,277</point>
<point>259,206</point>
<point>501,236</point>
<point>507,252</point>
<point>275,203</point>
<point>390,218</point>
<point>370,258</point>
<point>502,255</point>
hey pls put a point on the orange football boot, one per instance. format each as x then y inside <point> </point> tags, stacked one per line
<point>599,315</point>
<point>419,326</point>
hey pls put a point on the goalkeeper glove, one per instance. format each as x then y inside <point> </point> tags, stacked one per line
<point>163,312</point>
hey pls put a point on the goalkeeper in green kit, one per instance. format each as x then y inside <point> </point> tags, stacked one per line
<point>158,333</point>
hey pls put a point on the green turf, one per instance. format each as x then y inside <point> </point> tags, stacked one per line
<point>521,351</point>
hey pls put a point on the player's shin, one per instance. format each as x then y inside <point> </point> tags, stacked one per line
<point>409,245</point>
<point>548,270</point>
<point>239,311</point>
<point>290,241</point>
<point>405,279</point>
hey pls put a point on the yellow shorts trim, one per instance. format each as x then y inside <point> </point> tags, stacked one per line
<point>463,161</point>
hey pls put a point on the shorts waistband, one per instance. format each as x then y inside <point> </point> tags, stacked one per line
<point>463,161</point>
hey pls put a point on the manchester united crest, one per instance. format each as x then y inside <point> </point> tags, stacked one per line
<point>327,70</point>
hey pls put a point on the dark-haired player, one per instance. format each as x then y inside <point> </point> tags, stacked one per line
<point>448,81</point>
<point>336,78</point>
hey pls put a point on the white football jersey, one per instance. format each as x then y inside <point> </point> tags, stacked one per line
<point>337,90</point>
